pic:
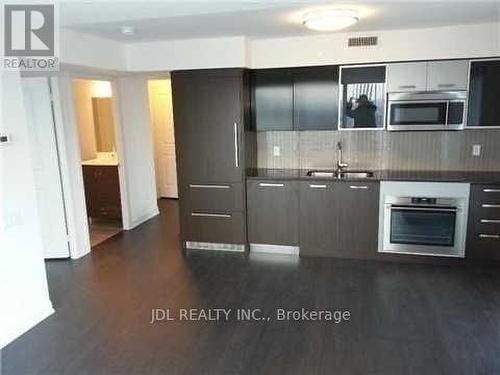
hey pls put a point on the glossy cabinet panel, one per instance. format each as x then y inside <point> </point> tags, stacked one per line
<point>447,75</point>
<point>272,100</point>
<point>484,91</point>
<point>405,77</point>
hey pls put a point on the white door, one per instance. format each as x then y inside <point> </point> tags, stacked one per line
<point>51,211</point>
<point>160,97</point>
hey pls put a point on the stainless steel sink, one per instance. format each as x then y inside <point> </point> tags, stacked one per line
<point>340,175</point>
<point>355,174</point>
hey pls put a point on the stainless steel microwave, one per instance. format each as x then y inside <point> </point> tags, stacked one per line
<point>426,110</point>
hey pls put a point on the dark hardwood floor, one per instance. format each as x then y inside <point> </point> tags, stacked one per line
<point>405,318</point>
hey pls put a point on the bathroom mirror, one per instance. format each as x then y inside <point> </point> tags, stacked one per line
<point>103,124</point>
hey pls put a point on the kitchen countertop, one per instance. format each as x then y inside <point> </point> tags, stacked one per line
<point>103,159</point>
<point>483,177</point>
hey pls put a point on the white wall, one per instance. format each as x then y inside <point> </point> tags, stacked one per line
<point>87,50</point>
<point>461,41</point>
<point>186,54</point>
<point>71,171</point>
<point>135,147</point>
<point>24,297</point>
<point>415,44</point>
<point>84,113</point>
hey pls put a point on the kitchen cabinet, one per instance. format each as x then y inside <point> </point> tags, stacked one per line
<point>102,191</point>
<point>339,219</point>
<point>295,99</point>
<point>208,117</point>
<point>483,234</point>
<point>211,124</point>
<point>406,77</point>
<point>315,98</point>
<point>484,91</point>
<point>447,75</point>
<point>272,99</point>
<point>273,212</point>
<point>319,218</point>
<point>358,215</point>
<point>427,76</point>
<point>362,92</point>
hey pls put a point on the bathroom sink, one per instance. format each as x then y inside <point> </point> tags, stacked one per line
<point>340,175</point>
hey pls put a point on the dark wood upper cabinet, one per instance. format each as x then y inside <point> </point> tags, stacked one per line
<point>272,99</point>
<point>484,91</point>
<point>295,98</point>
<point>315,98</point>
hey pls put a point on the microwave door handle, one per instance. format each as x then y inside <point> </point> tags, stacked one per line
<point>446,115</point>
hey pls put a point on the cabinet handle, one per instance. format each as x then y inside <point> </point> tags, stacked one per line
<point>490,221</point>
<point>200,186</point>
<point>445,85</point>
<point>407,87</point>
<point>268,184</point>
<point>493,236</point>
<point>202,214</point>
<point>364,187</point>
<point>236,146</point>
<point>490,205</point>
<point>314,186</point>
<point>491,190</point>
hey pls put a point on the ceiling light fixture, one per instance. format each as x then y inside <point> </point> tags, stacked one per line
<point>330,20</point>
<point>127,30</point>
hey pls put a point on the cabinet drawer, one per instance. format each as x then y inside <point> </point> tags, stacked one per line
<point>218,227</point>
<point>226,197</point>
<point>484,246</point>
<point>486,226</point>
<point>485,196</point>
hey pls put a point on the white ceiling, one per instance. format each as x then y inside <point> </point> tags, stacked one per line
<point>166,20</point>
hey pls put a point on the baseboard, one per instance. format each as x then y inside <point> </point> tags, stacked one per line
<point>24,323</point>
<point>142,219</point>
<point>274,249</point>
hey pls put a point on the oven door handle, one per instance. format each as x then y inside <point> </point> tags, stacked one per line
<point>434,209</point>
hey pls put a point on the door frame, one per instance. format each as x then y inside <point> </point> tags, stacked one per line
<point>161,76</point>
<point>71,168</point>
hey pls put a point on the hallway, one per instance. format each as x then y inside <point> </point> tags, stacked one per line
<point>103,306</point>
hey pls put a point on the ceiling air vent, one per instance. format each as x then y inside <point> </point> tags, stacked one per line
<point>363,41</point>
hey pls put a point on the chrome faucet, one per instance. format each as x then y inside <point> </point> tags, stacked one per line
<point>340,164</point>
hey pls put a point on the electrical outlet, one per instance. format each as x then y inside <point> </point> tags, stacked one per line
<point>276,151</point>
<point>476,150</point>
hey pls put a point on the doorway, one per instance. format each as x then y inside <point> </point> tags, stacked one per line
<point>93,104</point>
<point>162,120</point>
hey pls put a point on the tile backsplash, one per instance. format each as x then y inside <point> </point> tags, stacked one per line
<point>377,149</point>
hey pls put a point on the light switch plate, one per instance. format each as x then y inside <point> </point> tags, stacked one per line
<point>476,150</point>
<point>276,151</point>
<point>4,139</point>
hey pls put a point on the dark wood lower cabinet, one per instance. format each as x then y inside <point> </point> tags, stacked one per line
<point>358,211</point>
<point>339,219</point>
<point>216,227</point>
<point>273,212</point>
<point>319,224</point>
<point>483,235</point>
<point>102,191</point>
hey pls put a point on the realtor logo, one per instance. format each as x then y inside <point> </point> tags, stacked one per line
<point>29,37</point>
